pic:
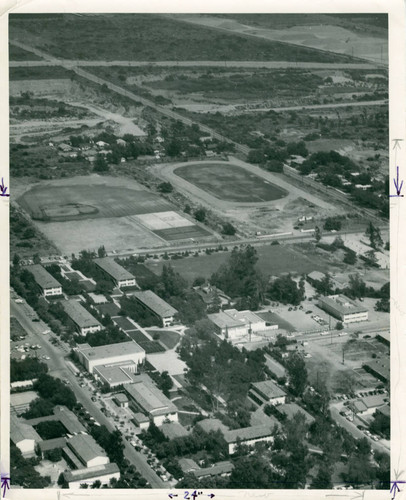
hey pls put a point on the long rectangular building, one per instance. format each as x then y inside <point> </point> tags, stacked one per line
<point>161,309</point>
<point>238,325</point>
<point>48,284</point>
<point>248,436</point>
<point>103,473</point>
<point>152,401</point>
<point>87,450</point>
<point>85,323</point>
<point>120,276</point>
<point>343,308</point>
<point>90,357</point>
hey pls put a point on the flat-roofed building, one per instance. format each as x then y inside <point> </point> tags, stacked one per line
<point>188,465</point>
<point>267,392</point>
<point>48,284</point>
<point>90,357</point>
<point>85,323</point>
<point>116,374</point>
<point>120,276</point>
<point>212,424</point>
<point>380,368</point>
<point>151,401</point>
<point>23,436</point>
<point>121,400</point>
<point>343,308</point>
<point>103,473</point>
<point>141,420</point>
<point>157,306</point>
<point>238,325</point>
<point>248,436</point>
<point>174,430</point>
<point>87,450</point>
<point>274,366</point>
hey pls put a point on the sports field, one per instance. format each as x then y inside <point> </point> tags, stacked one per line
<point>230,182</point>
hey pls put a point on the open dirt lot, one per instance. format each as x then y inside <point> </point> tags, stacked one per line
<point>249,215</point>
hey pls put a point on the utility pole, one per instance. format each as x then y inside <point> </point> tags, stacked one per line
<point>343,356</point>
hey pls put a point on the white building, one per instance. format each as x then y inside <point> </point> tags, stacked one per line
<point>238,325</point>
<point>102,473</point>
<point>90,357</point>
<point>23,436</point>
<point>151,401</point>
<point>85,323</point>
<point>87,450</point>
<point>248,436</point>
<point>157,306</point>
<point>48,284</point>
<point>343,308</point>
<point>267,392</point>
<point>120,276</point>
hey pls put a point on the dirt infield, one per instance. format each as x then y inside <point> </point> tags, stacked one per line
<point>85,198</point>
<point>230,182</point>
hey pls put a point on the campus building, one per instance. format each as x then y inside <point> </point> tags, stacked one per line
<point>248,436</point>
<point>148,399</point>
<point>130,354</point>
<point>84,322</point>
<point>343,308</point>
<point>87,451</point>
<point>24,436</point>
<point>238,325</point>
<point>157,306</point>
<point>379,368</point>
<point>103,473</point>
<point>48,284</point>
<point>267,392</point>
<point>117,374</point>
<point>120,276</point>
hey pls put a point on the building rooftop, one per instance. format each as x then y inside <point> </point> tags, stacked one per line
<point>140,418</point>
<point>212,424</point>
<point>68,419</point>
<point>150,398</point>
<point>42,277</point>
<point>52,444</point>
<point>113,269</point>
<point>174,430</point>
<point>215,470</point>
<point>121,398</point>
<point>269,389</point>
<point>275,367</point>
<point>188,464</point>
<point>248,433</point>
<point>155,303</point>
<point>290,410</point>
<point>114,374</point>
<point>85,447</point>
<point>342,304</point>
<point>91,472</point>
<point>385,410</point>
<point>19,431</point>
<point>380,366</point>
<point>223,320</point>
<point>108,351</point>
<point>79,314</point>
<point>359,406</point>
<point>316,276</point>
<point>374,401</point>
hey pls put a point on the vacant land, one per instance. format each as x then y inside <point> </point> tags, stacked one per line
<point>18,54</point>
<point>230,182</point>
<point>147,37</point>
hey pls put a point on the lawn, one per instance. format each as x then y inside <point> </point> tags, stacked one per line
<point>16,329</point>
<point>230,182</point>
<point>167,337</point>
<point>272,260</point>
<point>124,323</point>
<point>17,54</point>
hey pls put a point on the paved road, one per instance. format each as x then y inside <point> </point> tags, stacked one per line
<point>60,370</point>
<point>165,64</point>
<point>353,429</point>
<point>322,106</point>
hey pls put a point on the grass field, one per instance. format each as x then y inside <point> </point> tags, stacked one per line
<point>49,201</point>
<point>110,308</point>
<point>18,54</point>
<point>166,337</point>
<point>125,324</point>
<point>146,37</point>
<point>272,260</point>
<point>16,329</point>
<point>182,233</point>
<point>230,182</point>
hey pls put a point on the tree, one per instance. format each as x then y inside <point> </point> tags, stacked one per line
<point>228,229</point>
<point>374,235</point>
<point>339,325</point>
<point>36,259</point>
<point>286,290</point>
<point>370,257</point>
<point>323,479</point>
<point>165,187</point>
<point>101,251</point>
<point>100,164</point>
<point>173,148</point>
<point>297,374</point>
<point>357,287</point>
<point>16,260</point>
<point>332,224</point>
<point>200,214</point>
<point>317,234</point>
